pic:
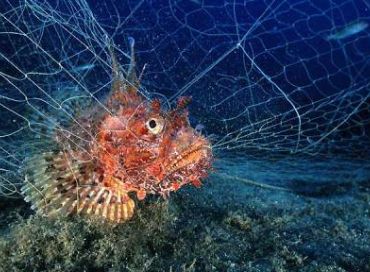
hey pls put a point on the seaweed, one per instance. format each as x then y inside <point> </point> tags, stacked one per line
<point>80,244</point>
<point>197,230</point>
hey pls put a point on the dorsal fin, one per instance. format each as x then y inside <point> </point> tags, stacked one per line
<point>124,91</point>
<point>115,65</point>
<point>131,73</point>
<point>117,84</point>
<point>131,76</point>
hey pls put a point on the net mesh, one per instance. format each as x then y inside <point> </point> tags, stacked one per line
<point>275,78</point>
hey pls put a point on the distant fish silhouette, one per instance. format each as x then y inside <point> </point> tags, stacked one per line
<point>349,30</point>
<point>82,68</point>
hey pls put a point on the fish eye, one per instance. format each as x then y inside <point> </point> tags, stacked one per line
<point>154,125</point>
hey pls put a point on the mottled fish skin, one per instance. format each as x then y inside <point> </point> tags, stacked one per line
<point>136,147</point>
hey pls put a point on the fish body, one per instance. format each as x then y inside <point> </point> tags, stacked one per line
<point>105,159</point>
<point>349,30</point>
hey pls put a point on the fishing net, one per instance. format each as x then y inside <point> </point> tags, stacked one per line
<point>269,80</point>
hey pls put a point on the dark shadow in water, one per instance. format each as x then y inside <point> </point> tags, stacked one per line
<point>327,189</point>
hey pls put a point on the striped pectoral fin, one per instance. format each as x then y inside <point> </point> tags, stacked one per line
<point>107,203</point>
<point>50,186</point>
<point>53,188</point>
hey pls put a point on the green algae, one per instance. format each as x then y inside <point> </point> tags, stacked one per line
<point>79,244</point>
<point>207,229</point>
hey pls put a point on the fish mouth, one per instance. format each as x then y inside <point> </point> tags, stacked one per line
<point>198,156</point>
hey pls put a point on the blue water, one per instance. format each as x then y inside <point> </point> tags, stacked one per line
<point>285,107</point>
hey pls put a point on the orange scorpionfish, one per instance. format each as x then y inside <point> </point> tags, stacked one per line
<point>134,148</point>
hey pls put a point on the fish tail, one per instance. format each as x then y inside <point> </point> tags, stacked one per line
<point>45,123</point>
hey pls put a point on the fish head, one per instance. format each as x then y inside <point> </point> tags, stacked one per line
<point>152,150</point>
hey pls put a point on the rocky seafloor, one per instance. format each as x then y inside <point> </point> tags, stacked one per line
<point>227,225</point>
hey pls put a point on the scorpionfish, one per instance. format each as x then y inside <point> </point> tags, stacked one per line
<point>108,159</point>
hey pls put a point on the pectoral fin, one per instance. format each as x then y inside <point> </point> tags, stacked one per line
<point>58,184</point>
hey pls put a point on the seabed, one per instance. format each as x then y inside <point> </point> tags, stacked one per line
<point>227,225</point>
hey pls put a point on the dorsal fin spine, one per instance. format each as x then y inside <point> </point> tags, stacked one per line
<point>131,73</point>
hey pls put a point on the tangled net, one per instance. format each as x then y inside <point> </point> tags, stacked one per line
<point>268,78</point>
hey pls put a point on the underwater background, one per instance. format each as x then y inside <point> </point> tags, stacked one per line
<point>280,88</point>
